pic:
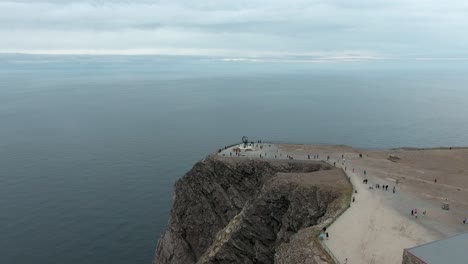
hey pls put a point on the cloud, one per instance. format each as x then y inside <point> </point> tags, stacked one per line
<point>399,28</point>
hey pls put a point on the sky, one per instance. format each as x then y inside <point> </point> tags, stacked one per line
<point>316,29</point>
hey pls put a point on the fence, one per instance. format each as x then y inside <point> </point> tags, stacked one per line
<point>319,242</point>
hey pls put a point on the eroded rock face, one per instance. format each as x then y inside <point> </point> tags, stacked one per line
<point>241,211</point>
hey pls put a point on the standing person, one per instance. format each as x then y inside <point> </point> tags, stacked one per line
<point>464,221</point>
<point>326,235</point>
<point>412,212</point>
<point>393,189</point>
<point>365,172</point>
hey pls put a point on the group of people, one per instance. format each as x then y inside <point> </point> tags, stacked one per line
<point>378,186</point>
<point>414,212</point>
<point>323,234</point>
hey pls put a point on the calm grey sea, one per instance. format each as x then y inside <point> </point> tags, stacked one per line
<point>90,146</point>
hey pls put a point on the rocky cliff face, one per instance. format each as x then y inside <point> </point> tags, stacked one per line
<point>250,211</point>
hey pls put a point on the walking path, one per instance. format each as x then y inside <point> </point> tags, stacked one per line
<point>371,231</point>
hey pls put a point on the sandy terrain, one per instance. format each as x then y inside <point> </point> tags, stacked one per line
<point>379,225</point>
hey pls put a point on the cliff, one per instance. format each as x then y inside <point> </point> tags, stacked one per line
<point>251,211</point>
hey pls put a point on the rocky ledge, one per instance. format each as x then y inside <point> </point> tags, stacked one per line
<point>252,211</point>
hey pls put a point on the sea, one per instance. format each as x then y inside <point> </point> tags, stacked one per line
<point>91,146</point>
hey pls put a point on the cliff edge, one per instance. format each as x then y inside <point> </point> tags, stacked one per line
<point>239,210</point>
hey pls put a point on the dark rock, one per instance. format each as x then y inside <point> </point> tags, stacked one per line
<point>242,211</point>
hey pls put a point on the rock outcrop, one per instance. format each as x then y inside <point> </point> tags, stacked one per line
<point>251,211</point>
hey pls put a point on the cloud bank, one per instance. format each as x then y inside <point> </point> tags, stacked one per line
<point>330,30</point>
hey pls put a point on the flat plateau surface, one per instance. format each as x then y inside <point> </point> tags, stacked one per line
<point>379,224</point>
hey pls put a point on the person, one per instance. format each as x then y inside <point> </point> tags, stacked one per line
<point>308,156</point>
<point>412,212</point>
<point>424,213</point>
<point>334,164</point>
<point>464,221</point>
<point>365,172</point>
<point>354,199</point>
<point>393,189</point>
<point>326,234</point>
<point>435,180</point>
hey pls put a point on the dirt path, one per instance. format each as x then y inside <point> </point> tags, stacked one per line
<point>371,231</point>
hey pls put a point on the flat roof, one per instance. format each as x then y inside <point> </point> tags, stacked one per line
<point>453,250</point>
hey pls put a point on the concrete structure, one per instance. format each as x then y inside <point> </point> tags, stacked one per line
<point>453,250</point>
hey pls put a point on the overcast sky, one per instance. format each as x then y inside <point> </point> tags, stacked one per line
<point>340,29</point>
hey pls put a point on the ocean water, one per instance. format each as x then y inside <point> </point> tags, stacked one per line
<point>90,147</point>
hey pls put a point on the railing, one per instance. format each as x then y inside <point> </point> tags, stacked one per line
<point>348,204</point>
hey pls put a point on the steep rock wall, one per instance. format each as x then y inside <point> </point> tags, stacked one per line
<point>240,211</point>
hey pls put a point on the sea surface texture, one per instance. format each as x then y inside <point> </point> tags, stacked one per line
<point>90,147</point>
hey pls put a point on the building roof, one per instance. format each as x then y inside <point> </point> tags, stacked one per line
<point>453,250</point>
